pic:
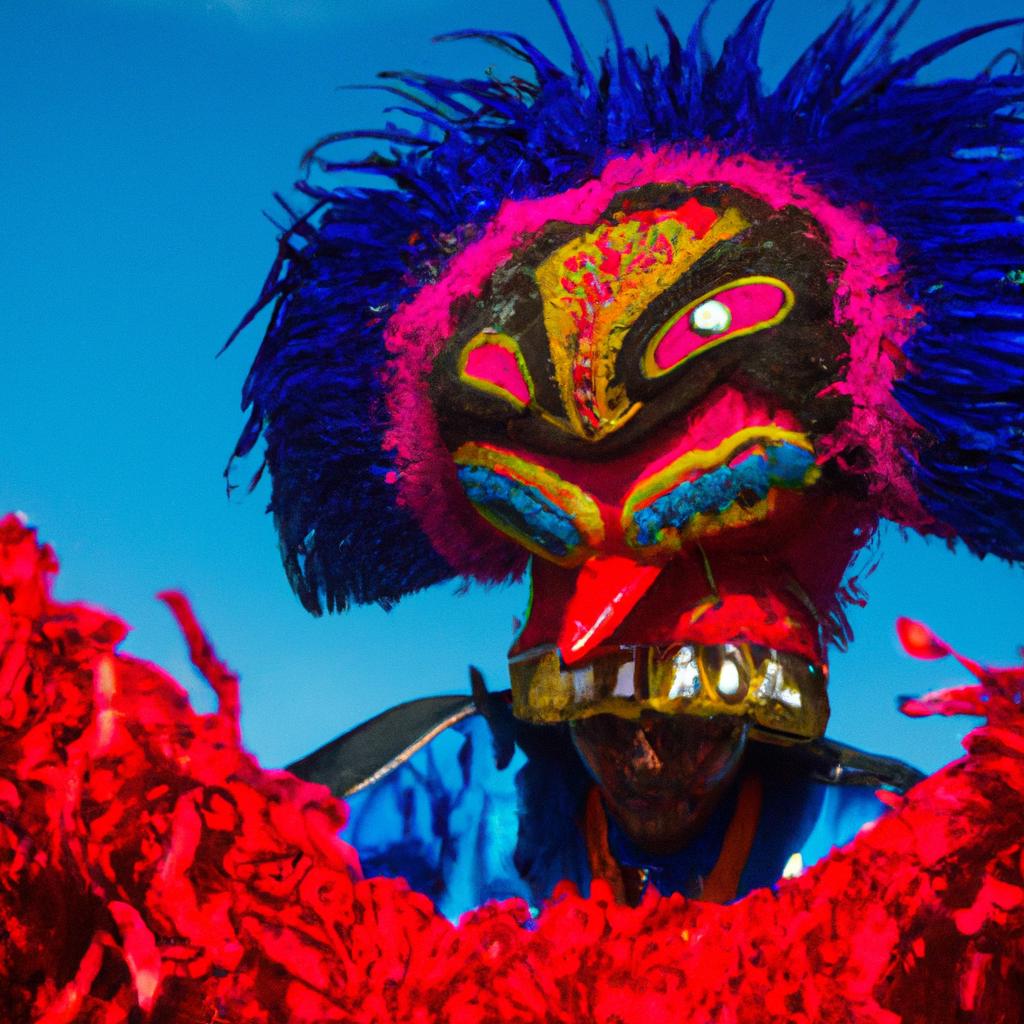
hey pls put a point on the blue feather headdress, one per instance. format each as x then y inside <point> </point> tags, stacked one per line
<point>939,166</point>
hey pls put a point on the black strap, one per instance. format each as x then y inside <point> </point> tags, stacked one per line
<point>370,751</point>
<point>841,765</point>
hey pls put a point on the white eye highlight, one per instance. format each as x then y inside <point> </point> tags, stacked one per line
<point>711,317</point>
<point>729,680</point>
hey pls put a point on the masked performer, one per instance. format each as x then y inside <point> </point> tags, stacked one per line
<point>671,344</point>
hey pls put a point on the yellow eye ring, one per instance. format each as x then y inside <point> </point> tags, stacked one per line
<point>704,335</point>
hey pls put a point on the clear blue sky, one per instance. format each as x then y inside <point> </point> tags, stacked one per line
<point>140,142</point>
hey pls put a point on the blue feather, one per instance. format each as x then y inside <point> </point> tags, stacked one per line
<point>938,163</point>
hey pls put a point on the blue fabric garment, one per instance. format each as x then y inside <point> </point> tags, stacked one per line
<point>463,832</point>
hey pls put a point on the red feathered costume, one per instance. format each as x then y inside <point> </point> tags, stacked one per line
<point>152,871</point>
<point>678,342</point>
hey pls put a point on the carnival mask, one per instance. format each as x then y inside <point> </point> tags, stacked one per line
<point>645,392</point>
<point>673,339</point>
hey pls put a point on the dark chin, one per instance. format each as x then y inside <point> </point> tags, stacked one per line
<point>661,776</point>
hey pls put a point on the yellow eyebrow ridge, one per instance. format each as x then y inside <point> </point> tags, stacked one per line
<point>585,337</point>
<point>665,479</point>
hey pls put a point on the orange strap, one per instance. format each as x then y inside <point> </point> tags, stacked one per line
<point>720,886</point>
<point>599,855</point>
<point>723,883</point>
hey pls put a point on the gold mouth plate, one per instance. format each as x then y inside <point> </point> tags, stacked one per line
<point>783,695</point>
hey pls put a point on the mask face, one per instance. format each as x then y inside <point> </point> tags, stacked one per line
<point>590,339</point>
<point>638,402</point>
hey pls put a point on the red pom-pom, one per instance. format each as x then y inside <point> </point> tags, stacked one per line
<point>918,640</point>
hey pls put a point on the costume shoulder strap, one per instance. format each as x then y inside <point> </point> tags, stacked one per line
<point>367,753</point>
<point>841,765</point>
<point>363,755</point>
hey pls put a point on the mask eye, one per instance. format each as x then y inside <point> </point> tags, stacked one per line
<point>493,362</point>
<point>710,318</point>
<point>530,504</point>
<point>742,307</point>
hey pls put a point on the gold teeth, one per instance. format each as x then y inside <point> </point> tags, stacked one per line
<point>782,694</point>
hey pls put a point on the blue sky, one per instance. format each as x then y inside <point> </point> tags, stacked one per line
<point>141,140</point>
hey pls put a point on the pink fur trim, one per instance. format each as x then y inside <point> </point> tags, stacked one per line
<point>869,296</point>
